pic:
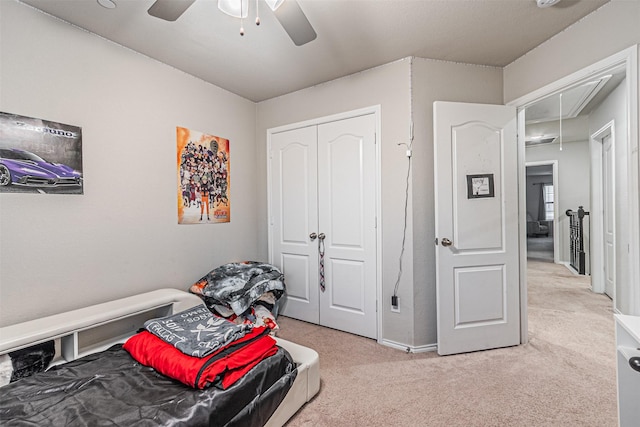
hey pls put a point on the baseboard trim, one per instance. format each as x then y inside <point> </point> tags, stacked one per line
<point>568,265</point>
<point>408,348</point>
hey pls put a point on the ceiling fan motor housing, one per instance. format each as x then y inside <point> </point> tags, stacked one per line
<point>546,3</point>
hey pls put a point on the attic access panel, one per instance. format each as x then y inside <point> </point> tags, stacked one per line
<point>574,101</point>
<point>539,140</point>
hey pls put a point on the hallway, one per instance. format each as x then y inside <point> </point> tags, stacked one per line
<point>540,248</point>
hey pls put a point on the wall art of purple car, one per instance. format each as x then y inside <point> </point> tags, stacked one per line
<point>23,168</point>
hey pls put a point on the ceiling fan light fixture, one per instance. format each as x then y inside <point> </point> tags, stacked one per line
<point>108,4</point>
<point>235,8</point>
<point>274,4</point>
<point>546,3</point>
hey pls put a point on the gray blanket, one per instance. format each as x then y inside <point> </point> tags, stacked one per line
<point>196,331</point>
<point>238,285</point>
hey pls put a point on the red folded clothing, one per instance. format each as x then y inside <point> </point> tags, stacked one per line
<point>222,368</point>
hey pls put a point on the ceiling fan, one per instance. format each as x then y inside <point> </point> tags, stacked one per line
<point>288,13</point>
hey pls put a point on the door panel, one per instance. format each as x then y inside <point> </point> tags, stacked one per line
<point>347,209</point>
<point>294,209</point>
<point>477,222</point>
<point>298,272</point>
<point>474,284</point>
<point>477,275</point>
<point>349,298</point>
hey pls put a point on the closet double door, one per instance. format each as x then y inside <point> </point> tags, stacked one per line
<point>323,222</point>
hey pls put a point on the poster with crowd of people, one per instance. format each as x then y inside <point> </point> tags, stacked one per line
<point>203,178</point>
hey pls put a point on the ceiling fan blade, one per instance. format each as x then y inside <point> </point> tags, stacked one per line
<point>295,23</point>
<point>169,10</point>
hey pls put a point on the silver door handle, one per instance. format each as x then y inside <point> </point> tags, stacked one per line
<point>446,242</point>
<point>321,236</point>
<point>313,236</point>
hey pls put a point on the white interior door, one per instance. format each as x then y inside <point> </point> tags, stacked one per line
<point>608,217</point>
<point>294,216</point>
<point>347,220</point>
<point>477,259</point>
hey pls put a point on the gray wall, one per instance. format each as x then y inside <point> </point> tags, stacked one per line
<point>389,87</point>
<point>60,252</point>
<point>611,29</point>
<point>436,81</point>
<point>533,194</point>
<point>122,236</point>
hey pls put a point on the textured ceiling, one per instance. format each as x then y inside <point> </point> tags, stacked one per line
<point>353,35</point>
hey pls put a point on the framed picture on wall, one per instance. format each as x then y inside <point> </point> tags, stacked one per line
<point>480,186</point>
<point>39,156</point>
<point>203,178</point>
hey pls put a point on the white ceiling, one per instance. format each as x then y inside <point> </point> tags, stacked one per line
<point>353,35</point>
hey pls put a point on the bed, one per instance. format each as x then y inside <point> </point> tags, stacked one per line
<point>94,381</point>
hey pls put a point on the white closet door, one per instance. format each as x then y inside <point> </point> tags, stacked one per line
<point>347,217</point>
<point>294,216</point>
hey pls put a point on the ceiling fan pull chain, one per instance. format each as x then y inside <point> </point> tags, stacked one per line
<point>241,20</point>
<point>257,14</point>
<point>560,121</point>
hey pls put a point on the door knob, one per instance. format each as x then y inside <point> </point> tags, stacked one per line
<point>313,236</point>
<point>321,236</point>
<point>446,242</point>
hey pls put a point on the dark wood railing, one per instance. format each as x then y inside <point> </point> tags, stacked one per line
<point>576,239</point>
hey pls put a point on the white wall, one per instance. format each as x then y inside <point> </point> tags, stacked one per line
<point>573,183</point>
<point>60,252</point>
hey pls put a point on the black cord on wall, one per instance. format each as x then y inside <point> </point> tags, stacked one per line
<point>404,230</point>
<point>394,297</point>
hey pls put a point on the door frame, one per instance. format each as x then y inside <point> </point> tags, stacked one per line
<point>629,59</point>
<point>597,207</point>
<point>556,197</point>
<point>376,111</point>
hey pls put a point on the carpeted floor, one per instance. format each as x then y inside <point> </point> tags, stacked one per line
<point>540,248</point>
<point>564,376</point>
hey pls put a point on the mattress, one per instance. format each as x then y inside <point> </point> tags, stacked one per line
<point>99,383</point>
<point>110,388</point>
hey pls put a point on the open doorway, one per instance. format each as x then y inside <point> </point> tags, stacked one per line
<point>609,94</point>
<point>559,134</point>
<point>541,205</point>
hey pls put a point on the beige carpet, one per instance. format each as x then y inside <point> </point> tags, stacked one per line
<point>565,375</point>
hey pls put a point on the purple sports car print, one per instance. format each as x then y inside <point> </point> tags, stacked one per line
<point>20,167</point>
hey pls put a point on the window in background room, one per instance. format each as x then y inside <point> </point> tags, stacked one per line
<point>548,202</point>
